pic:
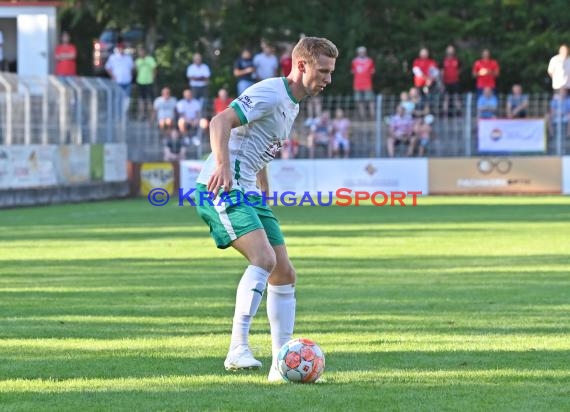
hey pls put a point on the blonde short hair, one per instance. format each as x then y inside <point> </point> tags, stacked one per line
<point>310,48</point>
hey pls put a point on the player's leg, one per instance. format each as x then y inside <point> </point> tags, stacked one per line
<point>261,257</point>
<point>238,225</point>
<point>281,302</point>
<point>346,148</point>
<point>390,145</point>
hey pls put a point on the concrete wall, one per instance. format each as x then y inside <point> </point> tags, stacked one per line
<point>63,194</point>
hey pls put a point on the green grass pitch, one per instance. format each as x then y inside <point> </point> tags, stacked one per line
<point>459,304</point>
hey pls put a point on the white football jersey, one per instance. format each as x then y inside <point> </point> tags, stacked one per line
<point>266,111</point>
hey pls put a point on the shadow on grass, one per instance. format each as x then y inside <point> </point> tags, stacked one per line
<point>27,224</point>
<point>148,363</point>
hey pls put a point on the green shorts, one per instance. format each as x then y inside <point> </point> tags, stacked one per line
<point>231,217</point>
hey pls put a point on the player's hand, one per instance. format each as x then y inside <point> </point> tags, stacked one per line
<point>220,179</point>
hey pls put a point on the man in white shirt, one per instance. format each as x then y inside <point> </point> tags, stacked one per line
<point>559,69</point>
<point>165,110</point>
<point>189,110</point>
<point>120,68</point>
<point>198,74</point>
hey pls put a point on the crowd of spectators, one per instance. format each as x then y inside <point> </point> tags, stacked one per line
<point>411,125</point>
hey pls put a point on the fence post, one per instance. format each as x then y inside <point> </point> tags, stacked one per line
<point>62,107</point>
<point>45,112</point>
<point>9,110</point>
<point>78,112</point>
<point>93,112</point>
<point>559,128</point>
<point>378,125</point>
<point>27,114</point>
<point>109,109</point>
<point>468,124</point>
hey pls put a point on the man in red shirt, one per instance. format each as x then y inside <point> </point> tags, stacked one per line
<point>286,61</point>
<point>486,70</point>
<point>363,69</point>
<point>425,72</point>
<point>65,55</point>
<point>451,69</point>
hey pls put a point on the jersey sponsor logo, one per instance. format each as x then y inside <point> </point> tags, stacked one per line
<point>246,101</point>
<point>275,147</point>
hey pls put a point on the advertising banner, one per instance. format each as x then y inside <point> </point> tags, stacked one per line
<point>73,164</point>
<point>512,135</point>
<point>32,166</point>
<point>189,171</point>
<point>115,162</point>
<point>292,175</point>
<point>156,175</point>
<point>96,160</point>
<point>5,167</point>
<point>371,175</point>
<point>566,175</point>
<point>541,174</point>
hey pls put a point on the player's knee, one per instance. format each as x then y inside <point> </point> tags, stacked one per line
<point>291,275</point>
<point>266,260</point>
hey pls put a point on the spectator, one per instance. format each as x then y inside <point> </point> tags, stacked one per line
<point>314,106</point>
<point>341,134</point>
<point>400,130</point>
<point>286,61</point>
<point>244,71</point>
<point>165,111</point>
<point>174,147</point>
<point>486,71</point>
<point>559,114</point>
<point>487,104</point>
<point>265,63</point>
<point>290,147</point>
<point>517,103</point>
<point>559,69</point>
<point>425,72</point>
<point>198,74</point>
<point>451,69</point>
<point>363,69</point>
<point>189,111</point>
<point>222,101</point>
<point>146,73</point>
<point>406,103</point>
<point>65,57</point>
<point>421,107</point>
<point>120,68</point>
<point>320,134</point>
<point>422,131</point>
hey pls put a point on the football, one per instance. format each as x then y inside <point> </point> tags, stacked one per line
<point>301,360</point>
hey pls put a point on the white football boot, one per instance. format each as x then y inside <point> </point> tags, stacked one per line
<point>274,375</point>
<point>241,358</point>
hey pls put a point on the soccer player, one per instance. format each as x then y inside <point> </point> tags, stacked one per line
<point>244,138</point>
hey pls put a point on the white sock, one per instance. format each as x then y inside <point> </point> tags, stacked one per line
<point>281,313</point>
<point>248,297</point>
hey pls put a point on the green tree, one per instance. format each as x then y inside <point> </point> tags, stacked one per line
<point>522,35</point>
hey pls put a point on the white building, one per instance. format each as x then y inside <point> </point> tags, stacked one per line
<point>29,31</point>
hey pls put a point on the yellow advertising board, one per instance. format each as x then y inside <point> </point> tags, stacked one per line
<point>156,175</point>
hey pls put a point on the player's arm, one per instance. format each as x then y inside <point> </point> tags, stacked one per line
<point>262,180</point>
<point>220,128</point>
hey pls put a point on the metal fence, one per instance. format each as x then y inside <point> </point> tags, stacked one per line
<point>454,128</point>
<point>75,110</point>
<point>60,110</point>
